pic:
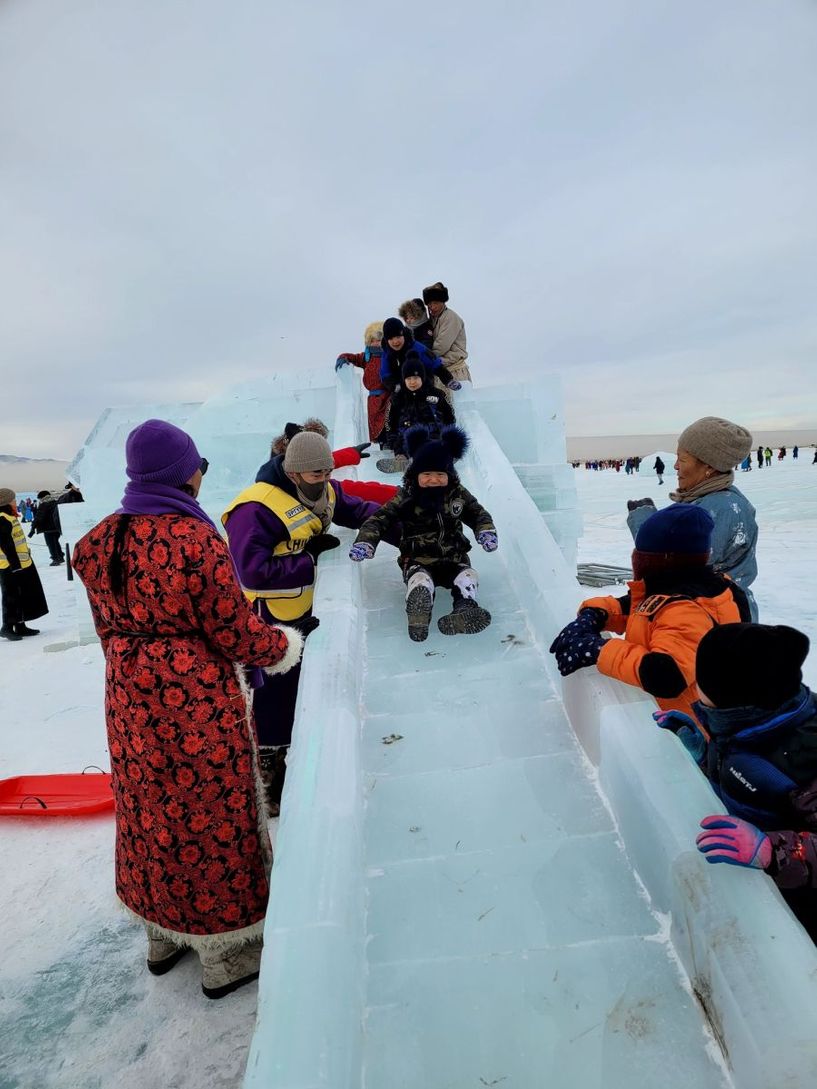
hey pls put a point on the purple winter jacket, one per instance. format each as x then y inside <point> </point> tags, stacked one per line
<point>253,531</point>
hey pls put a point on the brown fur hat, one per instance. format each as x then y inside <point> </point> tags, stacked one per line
<point>413,311</point>
<point>436,293</point>
<point>280,443</point>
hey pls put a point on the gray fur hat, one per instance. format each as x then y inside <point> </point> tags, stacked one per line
<point>308,452</point>
<point>7,496</point>
<point>716,442</point>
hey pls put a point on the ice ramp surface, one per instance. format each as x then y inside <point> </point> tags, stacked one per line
<point>452,906</point>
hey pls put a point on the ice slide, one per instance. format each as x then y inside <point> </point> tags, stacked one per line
<point>484,875</point>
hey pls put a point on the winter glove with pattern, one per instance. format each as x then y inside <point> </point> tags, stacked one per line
<point>454,384</point>
<point>304,624</point>
<point>362,448</point>
<point>360,552</point>
<point>633,503</point>
<point>686,729</point>
<point>736,842</point>
<point>487,538</point>
<point>322,542</point>
<point>576,649</point>
<point>590,619</point>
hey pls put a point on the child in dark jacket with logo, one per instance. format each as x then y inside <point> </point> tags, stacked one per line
<point>430,510</point>
<point>415,403</point>
<point>760,756</point>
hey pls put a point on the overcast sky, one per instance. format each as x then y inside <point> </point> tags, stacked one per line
<point>620,191</point>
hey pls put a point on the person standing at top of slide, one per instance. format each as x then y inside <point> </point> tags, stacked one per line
<point>448,330</point>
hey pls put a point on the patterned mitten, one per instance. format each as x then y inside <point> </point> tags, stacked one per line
<point>487,538</point>
<point>576,649</point>
<point>360,552</point>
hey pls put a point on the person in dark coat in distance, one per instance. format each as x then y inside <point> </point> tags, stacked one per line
<point>20,586</point>
<point>659,468</point>
<point>758,748</point>
<point>47,522</point>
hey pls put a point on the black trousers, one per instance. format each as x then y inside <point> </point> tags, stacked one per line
<point>54,547</point>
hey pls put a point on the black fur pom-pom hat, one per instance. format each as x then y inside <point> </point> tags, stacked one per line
<point>435,455</point>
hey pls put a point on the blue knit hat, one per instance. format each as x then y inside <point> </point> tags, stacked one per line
<point>682,529</point>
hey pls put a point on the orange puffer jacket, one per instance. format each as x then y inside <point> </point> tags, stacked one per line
<point>662,629</point>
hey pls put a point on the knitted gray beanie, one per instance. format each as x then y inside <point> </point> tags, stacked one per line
<point>716,442</point>
<point>7,496</point>
<point>308,452</point>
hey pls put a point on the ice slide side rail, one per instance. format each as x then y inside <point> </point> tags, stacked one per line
<point>750,964</point>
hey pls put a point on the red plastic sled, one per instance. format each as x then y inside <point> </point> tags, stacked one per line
<point>55,795</point>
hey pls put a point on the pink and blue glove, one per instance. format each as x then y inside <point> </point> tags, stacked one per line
<point>488,539</point>
<point>736,842</point>
<point>454,384</point>
<point>685,729</point>
<point>360,552</point>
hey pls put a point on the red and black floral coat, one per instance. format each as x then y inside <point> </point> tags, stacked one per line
<point>192,850</point>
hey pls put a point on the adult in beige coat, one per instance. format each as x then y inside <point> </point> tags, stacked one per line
<point>448,330</point>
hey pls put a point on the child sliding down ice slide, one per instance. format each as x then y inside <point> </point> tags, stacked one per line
<point>430,509</point>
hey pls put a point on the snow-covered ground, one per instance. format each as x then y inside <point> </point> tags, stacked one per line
<point>79,1010</point>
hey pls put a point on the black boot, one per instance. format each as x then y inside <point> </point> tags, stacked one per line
<point>466,618</point>
<point>10,634</point>
<point>22,630</point>
<point>273,766</point>
<point>419,603</point>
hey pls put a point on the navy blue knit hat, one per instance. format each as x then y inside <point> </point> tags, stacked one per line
<point>682,529</point>
<point>434,455</point>
<point>393,327</point>
<point>413,367</point>
<point>751,665</point>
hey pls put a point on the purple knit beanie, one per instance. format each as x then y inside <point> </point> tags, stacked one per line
<point>158,452</point>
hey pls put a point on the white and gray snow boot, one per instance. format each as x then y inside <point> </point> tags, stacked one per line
<point>419,604</point>
<point>224,971</point>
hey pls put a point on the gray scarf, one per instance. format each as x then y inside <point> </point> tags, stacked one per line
<point>717,483</point>
<point>318,503</point>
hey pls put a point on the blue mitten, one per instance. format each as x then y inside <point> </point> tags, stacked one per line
<point>454,384</point>
<point>576,649</point>
<point>686,729</point>
<point>360,552</point>
<point>487,538</point>
<point>340,362</point>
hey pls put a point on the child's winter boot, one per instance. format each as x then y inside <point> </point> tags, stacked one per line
<point>397,464</point>
<point>419,603</point>
<point>466,618</point>
<point>224,971</point>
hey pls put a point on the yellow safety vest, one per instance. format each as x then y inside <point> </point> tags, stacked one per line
<point>301,524</point>
<point>20,543</point>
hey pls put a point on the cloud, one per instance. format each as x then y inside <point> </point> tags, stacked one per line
<point>618,192</point>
